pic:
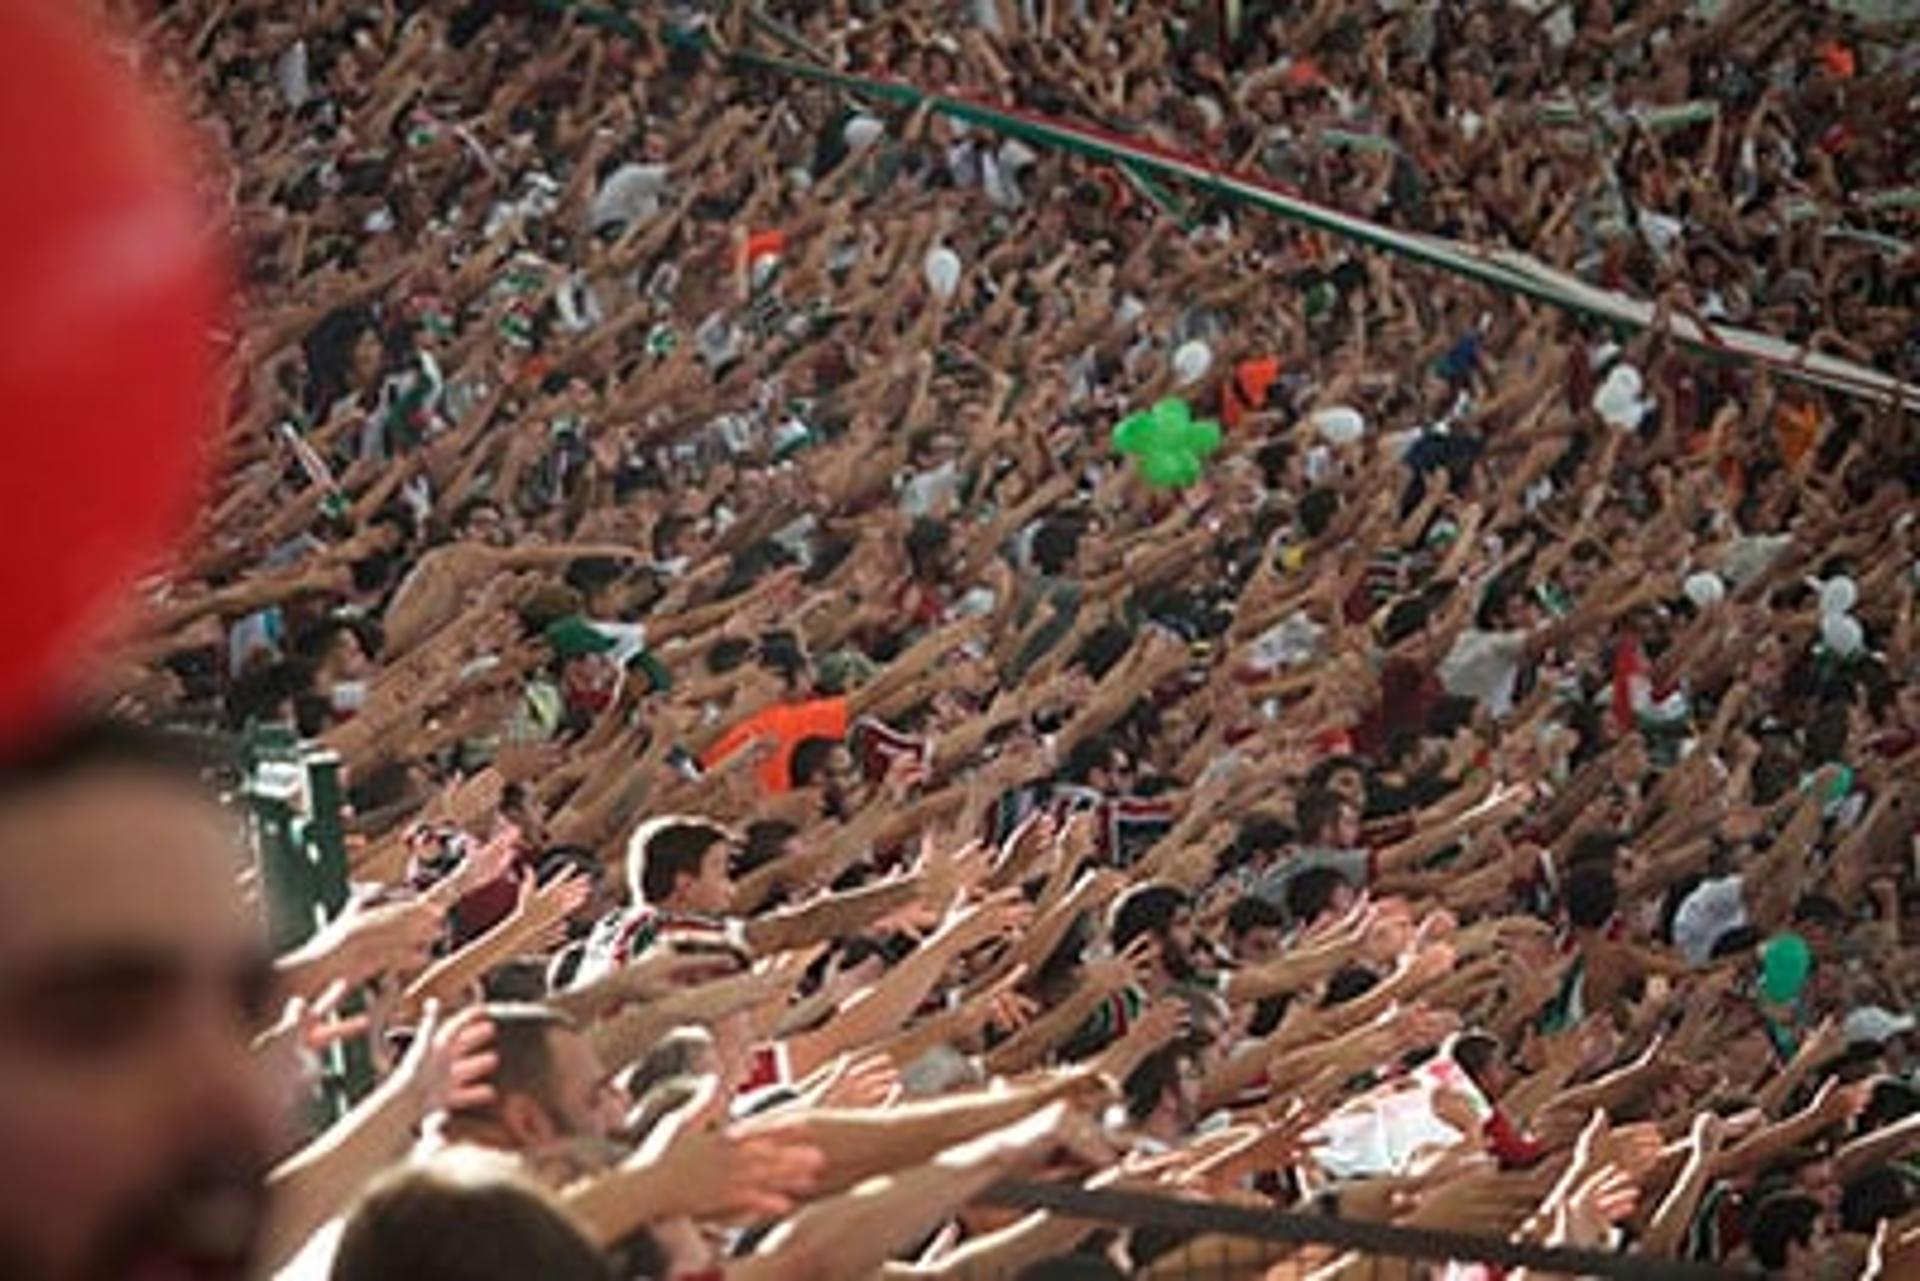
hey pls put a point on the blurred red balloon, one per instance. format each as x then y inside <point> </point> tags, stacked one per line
<point>113,289</point>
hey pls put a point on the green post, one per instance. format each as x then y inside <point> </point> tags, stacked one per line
<point>295,809</point>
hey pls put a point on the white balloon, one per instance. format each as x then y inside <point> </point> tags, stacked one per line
<point>1339,424</point>
<point>942,271</point>
<point>1838,596</point>
<point>1842,634</point>
<point>1705,589</point>
<point>1618,400</point>
<point>1191,361</point>
<point>860,131</point>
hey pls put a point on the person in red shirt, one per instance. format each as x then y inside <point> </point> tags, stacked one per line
<point>785,726</point>
<point>806,713</point>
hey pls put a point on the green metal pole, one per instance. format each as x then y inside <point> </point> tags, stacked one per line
<point>350,1072</point>
<point>295,811</point>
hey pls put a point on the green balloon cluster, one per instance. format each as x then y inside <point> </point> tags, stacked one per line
<point>1167,443</point>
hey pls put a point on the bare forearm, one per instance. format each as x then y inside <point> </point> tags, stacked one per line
<point>447,977</point>
<point>1037,1040</point>
<point>1038,942</point>
<point>1287,974</point>
<point>1876,1149</point>
<point>886,1006</point>
<point>618,1204</point>
<point>834,916</point>
<point>317,1182</point>
<point>1769,1143</point>
<point>859,1144</point>
<point>849,1236</point>
<point>899,675</point>
<point>999,1254</point>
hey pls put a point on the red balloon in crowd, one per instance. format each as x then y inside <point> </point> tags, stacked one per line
<point>113,291</point>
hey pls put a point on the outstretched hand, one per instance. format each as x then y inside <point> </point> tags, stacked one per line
<point>448,1065</point>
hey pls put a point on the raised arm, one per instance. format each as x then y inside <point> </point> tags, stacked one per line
<point>851,1235</point>
<point>447,1065</point>
<point>883,1008</point>
<point>830,916</point>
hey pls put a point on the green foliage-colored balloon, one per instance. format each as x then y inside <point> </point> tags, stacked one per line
<point>1201,437</point>
<point>1169,470</point>
<point>1785,963</point>
<point>1167,443</point>
<point>1133,433</point>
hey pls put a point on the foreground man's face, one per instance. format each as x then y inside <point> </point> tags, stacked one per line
<point>134,1120</point>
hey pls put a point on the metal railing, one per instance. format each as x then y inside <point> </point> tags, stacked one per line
<point>1192,1240</point>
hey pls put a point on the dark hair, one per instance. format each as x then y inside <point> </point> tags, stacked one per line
<point>665,530</point>
<point>1592,895</point>
<point>1088,755</point>
<point>1251,912</point>
<point>1349,983</point>
<point>1310,893</point>
<point>1151,1081</point>
<point>672,849</point>
<point>521,1041</point>
<point>1491,612</point>
<point>1267,1013</point>
<point>1779,1223</point>
<point>1874,1196</point>
<point>780,653</point>
<point>313,642</point>
<point>1055,545</point>
<point>1147,909</point>
<point>101,744</point>
<point>1476,1052</point>
<point>258,693</point>
<point>558,859</point>
<point>728,654</point>
<point>1600,848</point>
<point>764,839</point>
<point>829,553</point>
<point>1890,1101</point>
<point>372,572</point>
<point>1102,651</point>
<point>1260,832</point>
<point>517,979</point>
<point>436,1222</point>
<point>1820,911</point>
<point>329,356</point>
<point>1317,510</point>
<point>1322,773</point>
<point>1272,458</point>
<point>1315,811</point>
<point>753,564</point>
<point>811,756</point>
<point>927,539</point>
<point>478,503</point>
<point>590,574</point>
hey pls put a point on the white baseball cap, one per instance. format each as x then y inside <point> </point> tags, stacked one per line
<point>1875,1025</point>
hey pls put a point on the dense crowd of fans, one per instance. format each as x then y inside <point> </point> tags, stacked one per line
<point>801,775</point>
